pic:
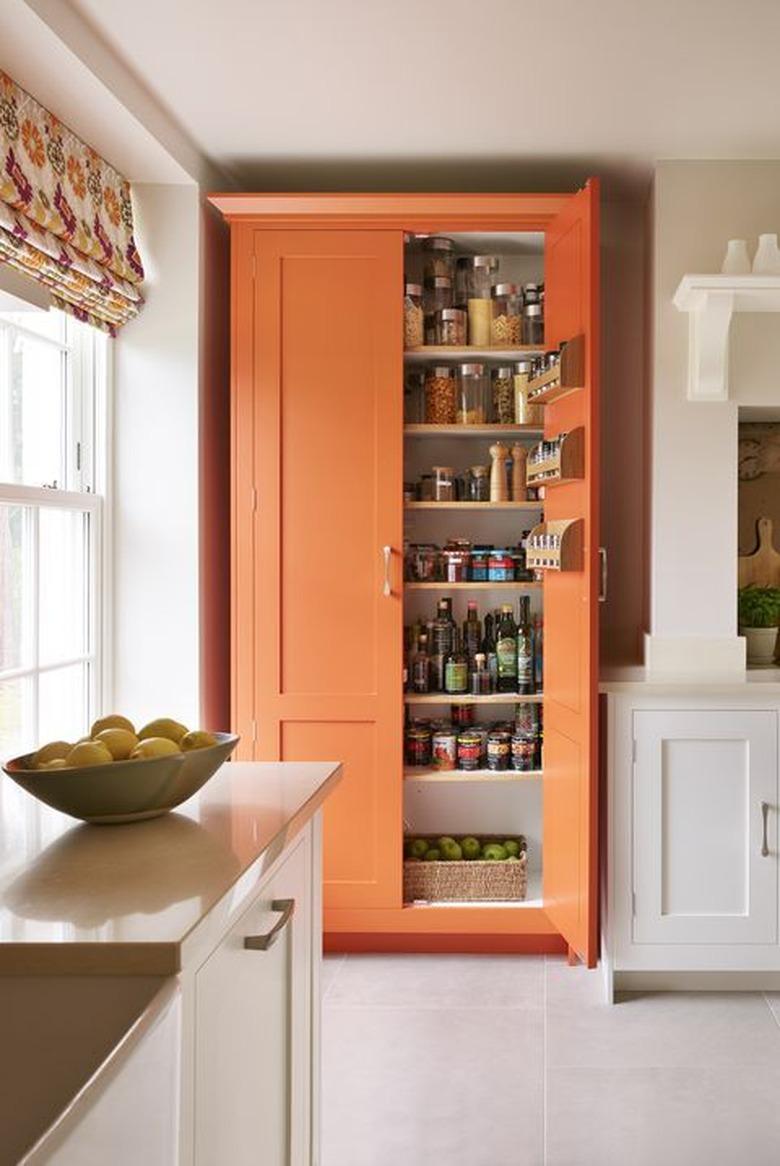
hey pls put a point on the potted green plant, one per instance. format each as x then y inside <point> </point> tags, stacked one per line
<point>759,618</point>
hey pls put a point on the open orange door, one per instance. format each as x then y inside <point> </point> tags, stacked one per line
<point>571,597</point>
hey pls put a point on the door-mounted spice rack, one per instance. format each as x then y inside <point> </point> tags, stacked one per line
<point>555,545</point>
<point>560,460</point>
<point>565,376</point>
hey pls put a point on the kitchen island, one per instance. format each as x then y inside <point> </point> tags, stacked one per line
<point>159,980</point>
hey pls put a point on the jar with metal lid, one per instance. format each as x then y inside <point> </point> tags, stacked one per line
<point>506,326</point>
<point>444,749</point>
<point>479,484</point>
<point>422,562</point>
<point>473,401</point>
<point>450,326</point>
<point>425,488</point>
<point>460,291</point>
<point>480,309</point>
<point>526,413</point>
<point>499,744</point>
<point>533,324</point>
<point>414,402</point>
<point>437,294</point>
<point>463,715</point>
<point>413,315</point>
<point>503,393</point>
<point>417,746</point>
<point>443,484</point>
<point>438,257</point>
<point>531,293</point>
<point>469,749</point>
<point>501,566</point>
<point>457,560</point>
<point>479,560</point>
<point>440,395</point>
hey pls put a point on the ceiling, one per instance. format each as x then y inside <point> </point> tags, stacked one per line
<point>297,94</point>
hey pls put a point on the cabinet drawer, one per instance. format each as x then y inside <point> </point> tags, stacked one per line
<point>705,791</point>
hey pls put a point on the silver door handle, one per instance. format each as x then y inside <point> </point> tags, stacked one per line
<point>603,575</point>
<point>263,942</point>
<point>387,589</point>
<point>764,842</point>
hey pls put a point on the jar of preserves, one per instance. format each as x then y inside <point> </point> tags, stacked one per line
<point>533,328</point>
<point>438,257</point>
<point>469,749</point>
<point>501,566</point>
<point>499,744</point>
<point>503,385</point>
<point>422,563</point>
<point>457,560</point>
<point>473,406</point>
<point>479,562</point>
<point>417,746</point>
<point>443,484</point>
<point>413,315</point>
<point>480,309</point>
<point>506,326</point>
<point>450,326</point>
<point>479,484</point>
<point>444,749</point>
<point>462,715</point>
<point>440,395</point>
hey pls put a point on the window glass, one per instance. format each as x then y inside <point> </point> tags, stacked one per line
<point>62,583</point>
<point>17,718</point>
<point>33,400</point>
<point>16,587</point>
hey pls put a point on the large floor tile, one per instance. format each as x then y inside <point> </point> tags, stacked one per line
<point>677,1117</point>
<point>663,1029</point>
<point>331,966</point>
<point>432,1085</point>
<point>440,981</point>
<point>773,1000</point>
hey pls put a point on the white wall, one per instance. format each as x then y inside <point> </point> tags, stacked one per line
<point>697,207</point>
<point>155,487</point>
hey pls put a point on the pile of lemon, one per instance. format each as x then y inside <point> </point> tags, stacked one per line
<point>114,738</point>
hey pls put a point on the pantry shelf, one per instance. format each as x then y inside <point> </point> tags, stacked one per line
<point>436,353</point>
<point>463,775</point>
<point>530,585</point>
<point>469,698</point>
<point>473,430</point>
<point>473,505</point>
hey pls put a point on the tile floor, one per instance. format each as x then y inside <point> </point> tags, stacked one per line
<point>479,1060</point>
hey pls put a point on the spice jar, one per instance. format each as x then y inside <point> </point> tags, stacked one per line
<point>443,484</point>
<point>506,326</point>
<point>479,484</point>
<point>533,331</point>
<point>440,395</point>
<point>472,395</point>
<point>503,395</point>
<point>480,308</point>
<point>450,327</point>
<point>438,257</point>
<point>413,316</point>
<point>456,558</point>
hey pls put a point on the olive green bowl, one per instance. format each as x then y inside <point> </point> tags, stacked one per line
<point>123,791</point>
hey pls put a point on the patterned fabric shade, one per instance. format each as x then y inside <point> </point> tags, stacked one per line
<point>66,219</point>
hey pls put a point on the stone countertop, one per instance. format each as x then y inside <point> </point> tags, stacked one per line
<point>761,683</point>
<point>131,899</point>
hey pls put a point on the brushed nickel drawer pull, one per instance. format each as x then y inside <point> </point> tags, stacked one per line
<point>764,843</point>
<point>387,589</point>
<point>263,942</point>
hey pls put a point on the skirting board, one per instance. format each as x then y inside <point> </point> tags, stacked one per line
<point>696,982</point>
<point>717,656</point>
<point>422,943</point>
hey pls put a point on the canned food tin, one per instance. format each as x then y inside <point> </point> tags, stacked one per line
<point>501,567</point>
<point>498,750</point>
<point>445,750</point>
<point>469,749</point>
<point>526,718</point>
<point>418,747</point>
<point>523,752</point>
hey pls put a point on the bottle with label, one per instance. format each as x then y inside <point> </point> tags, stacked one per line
<point>421,666</point>
<point>441,646</point>
<point>456,668</point>
<point>538,652</point>
<point>525,649</point>
<point>506,650</point>
<point>489,652</point>
<point>472,632</point>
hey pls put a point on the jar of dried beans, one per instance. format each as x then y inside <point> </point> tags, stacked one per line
<point>503,395</point>
<point>506,326</point>
<point>413,316</point>
<point>440,395</point>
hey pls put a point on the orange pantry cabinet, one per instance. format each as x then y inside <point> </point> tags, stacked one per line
<point>317,535</point>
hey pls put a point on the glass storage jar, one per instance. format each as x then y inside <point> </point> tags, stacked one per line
<point>438,257</point>
<point>473,402</point>
<point>437,294</point>
<point>480,280</point>
<point>414,406</point>
<point>460,291</point>
<point>533,324</point>
<point>413,316</point>
<point>443,484</point>
<point>440,395</point>
<point>450,327</point>
<point>480,555</point>
<point>526,413</point>
<point>503,385</point>
<point>456,557</point>
<point>479,484</point>
<point>506,325</point>
<point>422,562</point>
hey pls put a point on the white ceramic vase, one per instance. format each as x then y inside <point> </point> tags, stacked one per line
<point>736,261</point>
<point>767,258</point>
<point>760,645</point>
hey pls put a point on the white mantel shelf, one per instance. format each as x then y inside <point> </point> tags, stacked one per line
<point>711,301</point>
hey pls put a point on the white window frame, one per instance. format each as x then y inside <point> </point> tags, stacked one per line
<point>86,461</point>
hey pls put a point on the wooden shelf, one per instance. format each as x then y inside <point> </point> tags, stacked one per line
<point>566,376</point>
<point>515,585</point>
<point>473,430</point>
<point>568,464</point>
<point>465,775</point>
<point>567,556</point>
<point>441,353</point>
<point>473,505</point>
<point>466,698</point>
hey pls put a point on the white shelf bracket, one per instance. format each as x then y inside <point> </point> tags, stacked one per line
<point>708,347</point>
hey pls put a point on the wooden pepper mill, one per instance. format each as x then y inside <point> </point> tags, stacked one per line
<point>498,484</point>
<point>519,488</point>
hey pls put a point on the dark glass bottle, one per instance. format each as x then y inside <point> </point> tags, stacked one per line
<point>472,632</point>
<point>456,668</point>
<point>506,650</point>
<point>443,627</point>
<point>421,666</point>
<point>489,651</point>
<point>525,649</point>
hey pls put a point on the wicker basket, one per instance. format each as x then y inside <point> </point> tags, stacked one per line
<point>472,881</point>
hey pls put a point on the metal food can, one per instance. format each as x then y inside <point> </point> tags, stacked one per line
<point>498,749</point>
<point>523,752</point>
<point>469,749</point>
<point>445,750</point>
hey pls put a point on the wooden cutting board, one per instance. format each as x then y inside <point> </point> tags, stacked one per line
<point>762,567</point>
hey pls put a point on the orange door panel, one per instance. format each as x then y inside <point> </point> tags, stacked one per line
<point>570,599</point>
<point>327,376</point>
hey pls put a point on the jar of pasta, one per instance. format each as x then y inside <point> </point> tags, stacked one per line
<point>413,316</point>
<point>503,395</point>
<point>506,325</point>
<point>440,395</point>
<point>481,271</point>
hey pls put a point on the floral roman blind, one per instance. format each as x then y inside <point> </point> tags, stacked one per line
<point>66,219</point>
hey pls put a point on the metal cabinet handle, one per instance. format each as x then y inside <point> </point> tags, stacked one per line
<point>764,842</point>
<point>263,942</point>
<point>603,575</point>
<point>387,589</point>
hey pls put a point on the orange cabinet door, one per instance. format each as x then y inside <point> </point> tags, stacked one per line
<point>323,369</point>
<point>571,598</point>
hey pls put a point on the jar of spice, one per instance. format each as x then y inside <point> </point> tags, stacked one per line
<point>501,566</point>
<point>469,749</point>
<point>457,559</point>
<point>472,395</point>
<point>417,746</point>
<point>443,484</point>
<point>498,749</point>
<point>506,326</point>
<point>413,316</point>
<point>503,395</point>
<point>450,327</point>
<point>480,309</point>
<point>438,257</point>
<point>440,395</point>
<point>533,330</point>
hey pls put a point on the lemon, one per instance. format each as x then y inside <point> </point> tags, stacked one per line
<point>163,727</point>
<point>119,742</point>
<point>55,763</point>
<point>114,721</point>
<point>154,747</point>
<point>197,739</point>
<point>88,753</point>
<point>54,751</point>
